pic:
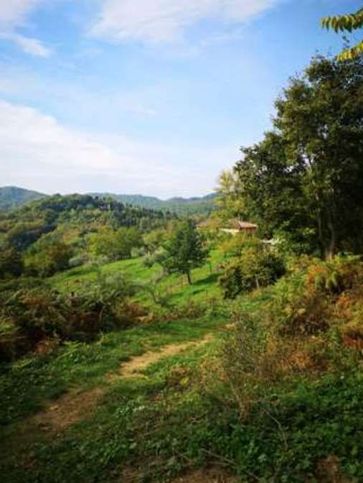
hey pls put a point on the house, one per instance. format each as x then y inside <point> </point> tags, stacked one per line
<point>238,226</point>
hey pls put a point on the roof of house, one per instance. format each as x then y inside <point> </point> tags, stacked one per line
<point>243,225</point>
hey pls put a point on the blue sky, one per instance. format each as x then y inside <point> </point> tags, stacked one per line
<point>145,96</point>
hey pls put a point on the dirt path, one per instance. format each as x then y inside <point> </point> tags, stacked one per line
<point>68,409</point>
<point>137,364</point>
<point>75,406</point>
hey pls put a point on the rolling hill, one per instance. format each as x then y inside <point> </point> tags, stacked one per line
<point>203,205</point>
<point>12,197</point>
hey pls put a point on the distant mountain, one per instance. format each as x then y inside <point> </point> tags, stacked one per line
<point>12,197</point>
<point>182,206</point>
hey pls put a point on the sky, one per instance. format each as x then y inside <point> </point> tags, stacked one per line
<point>145,96</point>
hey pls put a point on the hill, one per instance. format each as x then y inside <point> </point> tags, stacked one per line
<point>71,219</point>
<point>12,197</point>
<point>202,205</point>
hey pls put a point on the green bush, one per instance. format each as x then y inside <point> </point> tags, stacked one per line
<point>254,268</point>
<point>40,312</point>
<point>11,263</point>
<point>47,256</point>
<point>309,324</point>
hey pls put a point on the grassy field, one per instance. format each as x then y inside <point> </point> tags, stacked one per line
<point>152,403</point>
<point>84,379</point>
<point>175,286</point>
<point>37,449</point>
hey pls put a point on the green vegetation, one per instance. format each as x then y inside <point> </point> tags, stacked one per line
<point>255,267</point>
<point>184,251</point>
<point>114,368</point>
<point>346,23</point>
<point>198,206</point>
<point>302,180</point>
<point>12,197</point>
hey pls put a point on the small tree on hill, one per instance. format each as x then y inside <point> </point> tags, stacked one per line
<point>185,250</point>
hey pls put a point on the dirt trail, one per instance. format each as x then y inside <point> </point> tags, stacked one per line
<point>206,476</point>
<point>68,409</point>
<point>137,364</point>
<point>75,406</point>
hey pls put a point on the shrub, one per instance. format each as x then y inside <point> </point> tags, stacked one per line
<point>41,312</point>
<point>11,263</point>
<point>255,268</point>
<point>311,323</point>
<point>47,256</point>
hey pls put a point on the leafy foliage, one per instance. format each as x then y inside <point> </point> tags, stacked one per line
<point>115,244</point>
<point>346,23</point>
<point>254,268</point>
<point>184,251</point>
<point>11,263</point>
<point>38,313</point>
<point>48,233</point>
<point>47,256</point>
<point>305,177</point>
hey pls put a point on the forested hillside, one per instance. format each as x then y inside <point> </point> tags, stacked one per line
<point>57,232</point>
<point>182,206</point>
<point>12,197</point>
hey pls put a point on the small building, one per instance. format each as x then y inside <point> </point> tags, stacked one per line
<point>238,226</point>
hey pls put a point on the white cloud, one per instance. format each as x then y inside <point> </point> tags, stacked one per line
<point>13,14</point>
<point>37,151</point>
<point>27,44</point>
<point>166,20</point>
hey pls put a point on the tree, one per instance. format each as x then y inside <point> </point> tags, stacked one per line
<point>47,256</point>
<point>346,23</point>
<point>185,250</point>
<point>229,200</point>
<point>115,244</point>
<point>11,263</point>
<point>306,176</point>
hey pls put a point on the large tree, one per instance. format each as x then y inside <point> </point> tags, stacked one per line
<point>306,176</point>
<point>184,250</point>
<point>346,23</point>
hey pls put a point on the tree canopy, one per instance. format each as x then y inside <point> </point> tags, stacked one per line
<point>184,250</point>
<point>305,178</point>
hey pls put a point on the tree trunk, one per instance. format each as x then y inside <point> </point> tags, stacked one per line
<point>332,244</point>
<point>189,277</point>
<point>320,236</point>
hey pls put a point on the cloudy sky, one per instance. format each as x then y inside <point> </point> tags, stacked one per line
<point>145,96</point>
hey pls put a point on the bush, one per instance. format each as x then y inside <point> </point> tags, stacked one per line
<point>39,313</point>
<point>310,324</point>
<point>11,263</point>
<point>255,268</point>
<point>47,256</point>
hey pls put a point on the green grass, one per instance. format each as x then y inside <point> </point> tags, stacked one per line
<point>28,383</point>
<point>171,421</point>
<point>180,413</point>
<point>175,286</point>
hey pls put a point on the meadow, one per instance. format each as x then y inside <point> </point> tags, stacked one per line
<point>156,402</point>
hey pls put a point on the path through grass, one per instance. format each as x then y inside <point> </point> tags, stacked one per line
<point>56,403</point>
